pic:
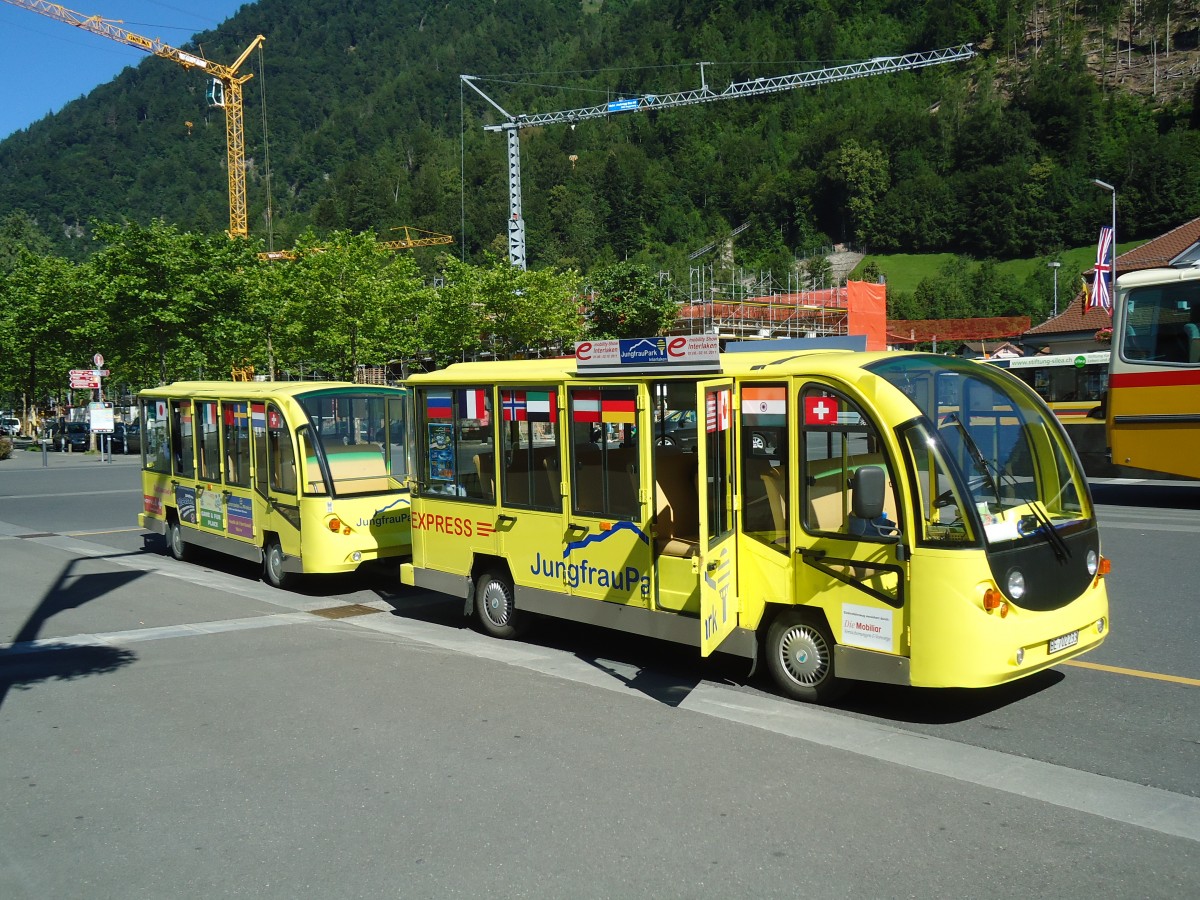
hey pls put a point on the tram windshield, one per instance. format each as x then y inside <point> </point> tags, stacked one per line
<point>362,436</point>
<point>999,463</point>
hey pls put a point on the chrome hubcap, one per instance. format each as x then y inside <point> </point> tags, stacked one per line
<point>496,605</point>
<point>805,655</point>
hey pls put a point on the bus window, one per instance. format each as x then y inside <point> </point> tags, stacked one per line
<point>210,440</point>
<point>837,439</point>
<point>281,459</point>
<point>237,444</point>
<point>182,452</point>
<point>1162,323</point>
<point>529,446</point>
<point>314,479</point>
<point>605,478</point>
<point>156,443</point>
<point>455,458</point>
<point>940,508</point>
<point>394,436</point>
<point>765,480</point>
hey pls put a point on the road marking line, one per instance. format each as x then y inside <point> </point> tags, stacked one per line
<point>105,531</point>
<point>67,494</point>
<point>1136,673</point>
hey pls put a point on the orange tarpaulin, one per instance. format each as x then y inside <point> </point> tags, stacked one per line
<point>866,312</point>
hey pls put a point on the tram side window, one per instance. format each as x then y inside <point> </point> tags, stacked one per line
<point>182,452</point>
<point>156,442</point>
<point>456,456</point>
<point>210,440</point>
<point>838,439</point>
<point>940,508</point>
<point>605,478</point>
<point>530,475</point>
<point>275,460</point>
<point>237,444</point>
<point>763,430</point>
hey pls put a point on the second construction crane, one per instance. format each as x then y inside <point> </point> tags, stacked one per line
<point>226,90</point>
<point>644,102</point>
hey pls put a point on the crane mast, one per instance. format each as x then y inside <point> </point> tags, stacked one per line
<point>753,88</point>
<point>230,97</point>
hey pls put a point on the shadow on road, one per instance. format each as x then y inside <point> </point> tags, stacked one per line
<point>24,664</point>
<point>1161,494</point>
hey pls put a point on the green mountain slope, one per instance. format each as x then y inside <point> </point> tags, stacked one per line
<point>365,120</point>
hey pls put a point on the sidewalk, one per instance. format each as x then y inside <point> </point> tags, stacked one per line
<point>27,456</point>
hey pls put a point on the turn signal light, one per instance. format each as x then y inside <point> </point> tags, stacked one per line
<point>994,600</point>
<point>335,524</point>
<point>1105,566</point>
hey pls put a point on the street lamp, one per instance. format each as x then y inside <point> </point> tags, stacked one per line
<point>1108,187</point>
<point>1055,267</point>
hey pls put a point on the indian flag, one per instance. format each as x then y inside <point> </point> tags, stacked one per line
<point>771,402</point>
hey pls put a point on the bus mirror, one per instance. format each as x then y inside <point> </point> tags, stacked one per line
<point>867,487</point>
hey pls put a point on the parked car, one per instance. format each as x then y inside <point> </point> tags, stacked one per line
<point>10,426</point>
<point>77,435</point>
<point>126,438</point>
<point>677,429</point>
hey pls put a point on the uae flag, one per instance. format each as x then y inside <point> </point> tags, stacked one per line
<point>585,406</point>
<point>619,406</point>
<point>540,406</point>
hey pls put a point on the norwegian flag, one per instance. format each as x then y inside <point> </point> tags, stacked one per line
<point>1101,297</point>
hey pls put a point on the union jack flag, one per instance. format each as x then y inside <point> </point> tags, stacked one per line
<point>1101,297</point>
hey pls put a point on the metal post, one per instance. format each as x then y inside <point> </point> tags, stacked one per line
<point>1055,266</point>
<point>1108,187</point>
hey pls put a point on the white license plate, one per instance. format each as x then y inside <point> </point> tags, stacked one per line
<point>1062,643</point>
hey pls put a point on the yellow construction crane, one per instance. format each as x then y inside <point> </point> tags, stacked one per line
<point>225,90</point>
<point>422,239</point>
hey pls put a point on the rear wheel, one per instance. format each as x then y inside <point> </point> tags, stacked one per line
<point>178,547</point>
<point>273,572</point>
<point>800,658</point>
<point>495,609</point>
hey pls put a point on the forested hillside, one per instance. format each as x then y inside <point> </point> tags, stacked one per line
<point>366,117</point>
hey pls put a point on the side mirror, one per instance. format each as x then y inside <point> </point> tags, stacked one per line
<point>867,487</point>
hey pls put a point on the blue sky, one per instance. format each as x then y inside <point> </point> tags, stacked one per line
<point>45,63</point>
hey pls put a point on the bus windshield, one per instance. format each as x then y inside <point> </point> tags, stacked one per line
<point>362,436</point>
<point>1012,470</point>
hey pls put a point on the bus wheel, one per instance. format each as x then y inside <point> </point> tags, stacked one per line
<point>494,606</point>
<point>800,658</point>
<point>178,547</point>
<point>273,572</point>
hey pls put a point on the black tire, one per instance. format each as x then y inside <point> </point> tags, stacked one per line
<point>800,658</point>
<point>273,573</point>
<point>176,545</point>
<point>495,609</point>
<point>665,441</point>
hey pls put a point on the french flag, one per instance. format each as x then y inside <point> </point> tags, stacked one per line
<point>471,404</point>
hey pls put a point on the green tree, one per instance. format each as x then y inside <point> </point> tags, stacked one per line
<point>627,301</point>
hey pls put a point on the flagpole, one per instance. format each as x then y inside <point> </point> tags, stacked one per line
<point>1108,187</point>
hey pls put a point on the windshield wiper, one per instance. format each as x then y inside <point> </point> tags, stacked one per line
<point>1061,551</point>
<point>976,455</point>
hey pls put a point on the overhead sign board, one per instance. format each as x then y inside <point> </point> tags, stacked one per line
<point>623,105</point>
<point>681,353</point>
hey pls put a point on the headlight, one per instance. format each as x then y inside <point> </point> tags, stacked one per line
<point>1093,562</point>
<point>1016,584</point>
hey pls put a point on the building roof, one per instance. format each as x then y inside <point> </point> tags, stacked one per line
<point>1157,252</point>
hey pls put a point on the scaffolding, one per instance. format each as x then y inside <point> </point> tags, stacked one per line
<point>757,308</point>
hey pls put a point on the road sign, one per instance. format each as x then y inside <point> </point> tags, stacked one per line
<point>100,416</point>
<point>85,381</point>
<point>98,360</point>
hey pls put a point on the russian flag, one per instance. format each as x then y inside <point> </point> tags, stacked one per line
<point>439,405</point>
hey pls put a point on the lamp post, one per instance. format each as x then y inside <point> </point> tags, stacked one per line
<point>1055,266</point>
<point>1112,190</point>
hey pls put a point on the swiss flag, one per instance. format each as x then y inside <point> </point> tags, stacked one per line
<point>820,410</point>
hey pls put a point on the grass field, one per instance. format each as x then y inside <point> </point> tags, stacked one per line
<point>904,271</point>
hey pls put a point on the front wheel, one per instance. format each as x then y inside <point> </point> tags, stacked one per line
<point>273,572</point>
<point>800,658</point>
<point>179,548</point>
<point>495,609</point>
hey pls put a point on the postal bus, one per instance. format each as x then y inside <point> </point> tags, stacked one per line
<point>901,518</point>
<point>1153,408</point>
<point>1071,384</point>
<point>303,477</point>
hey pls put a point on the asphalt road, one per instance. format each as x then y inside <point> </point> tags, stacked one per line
<point>183,730</point>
